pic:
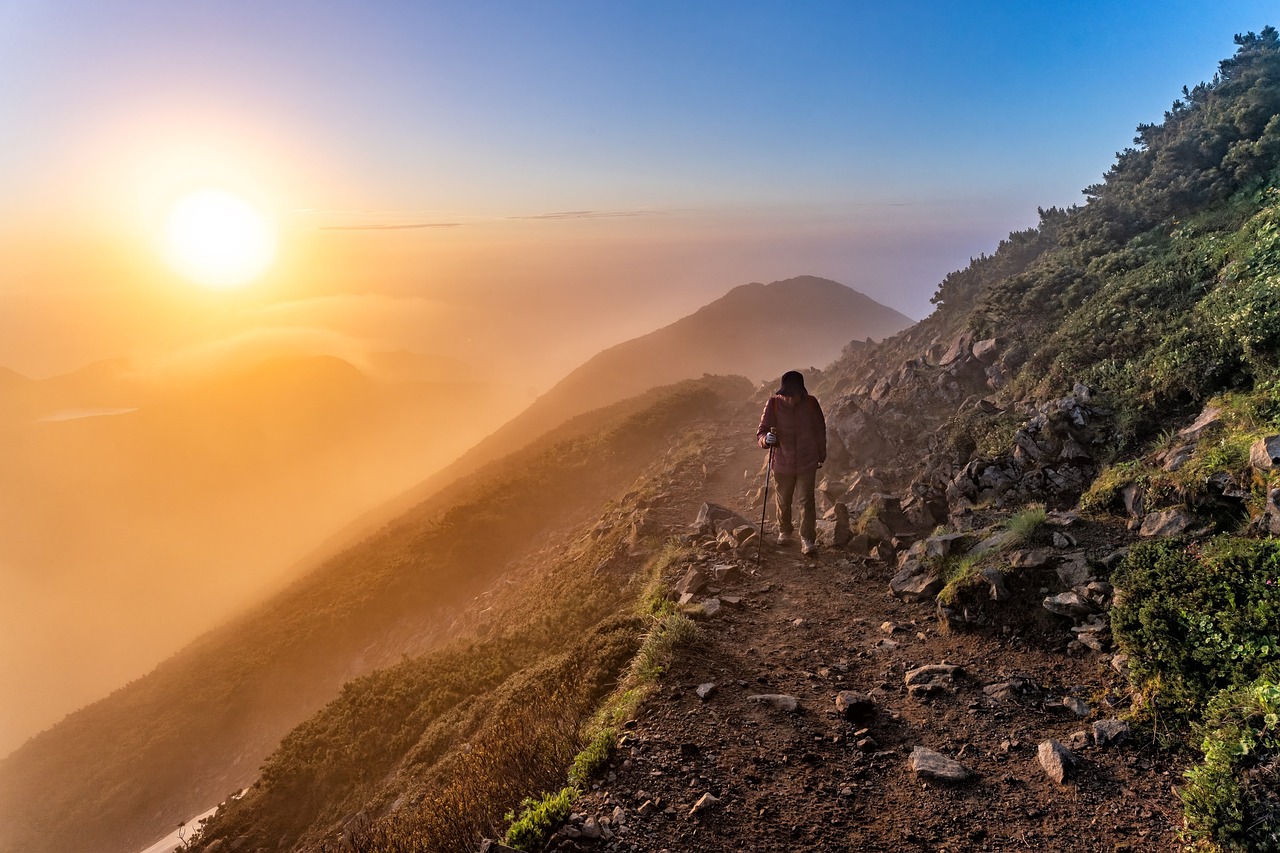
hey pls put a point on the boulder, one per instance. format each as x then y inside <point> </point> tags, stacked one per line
<point>1169,522</point>
<point>692,582</point>
<point>855,706</point>
<point>915,582</point>
<point>1056,760</point>
<point>986,351</point>
<point>936,767</point>
<point>1110,733</point>
<point>841,534</point>
<point>1070,604</point>
<point>1265,453</point>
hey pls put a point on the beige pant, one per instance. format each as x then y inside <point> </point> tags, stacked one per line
<point>788,485</point>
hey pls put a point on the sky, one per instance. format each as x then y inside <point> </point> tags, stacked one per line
<point>560,176</point>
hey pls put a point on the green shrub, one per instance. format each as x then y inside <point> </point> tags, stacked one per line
<point>1026,524</point>
<point>538,819</point>
<point>1199,619</point>
<point>1232,799</point>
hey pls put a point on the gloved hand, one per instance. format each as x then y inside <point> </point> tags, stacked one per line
<point>771,439</point>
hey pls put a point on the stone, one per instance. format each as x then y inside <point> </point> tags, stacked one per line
<point>707,690</point>
<point>986,351</point>
<point>1209,418</point>
<point>842,533</point>
<point>686,598</point>
<point>705,802</point>
<point>855,706</point>
<point>1076,706</point>
<point>1069,604</point>
<point>932,672</point>
<point>692,582</point>
<point>1056,760</point>
<point>725,572</point>
<point>1169,522</point>
<point>780,701</point>
<point>1033,558</point>
<point>995,580</point>
<point>915,582</point>
<point>1110,732</point>
<point>942,545</point>
<point>1073,570</point>
<point>711,606</point>
<point>936,767</point>
<point>1265,453</point>
<point>1120,665</point>
<point>1016,688</point>
<point>646,808</point>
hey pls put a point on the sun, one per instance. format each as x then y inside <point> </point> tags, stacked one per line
<point>218,239</point>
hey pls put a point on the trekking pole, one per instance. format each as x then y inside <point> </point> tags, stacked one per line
<point>765,508</point>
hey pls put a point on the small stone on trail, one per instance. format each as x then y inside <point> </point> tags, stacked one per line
<point>927,764</point>
<point>932,672</point>
<point>1076,706</point>
<point>705,802</point>
<point>798,622</point>
<point>890,627</point>
<point>1056,760</point>
<point>855,706</point>
<point>711,606</point>
<point>1110,732</point>
<point>776,700</point>
<point>706,690</point>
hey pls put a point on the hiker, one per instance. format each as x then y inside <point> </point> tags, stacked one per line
<point>793,426</point>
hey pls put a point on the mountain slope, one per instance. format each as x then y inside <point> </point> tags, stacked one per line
<point>198,725</point>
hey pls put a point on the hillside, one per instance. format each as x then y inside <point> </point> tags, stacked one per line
<point>199,725</point>
<point>1066,480</point>
<point>755,330</point>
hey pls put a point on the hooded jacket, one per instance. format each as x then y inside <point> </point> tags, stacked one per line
<point>802,433</point>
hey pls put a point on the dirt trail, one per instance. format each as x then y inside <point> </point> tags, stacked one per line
<point>810,780</point>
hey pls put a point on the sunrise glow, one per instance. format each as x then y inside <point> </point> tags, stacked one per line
<point>218,239</point>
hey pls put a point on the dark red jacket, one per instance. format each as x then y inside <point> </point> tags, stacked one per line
<point>802,433</point>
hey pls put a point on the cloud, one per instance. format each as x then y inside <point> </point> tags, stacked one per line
<point>592,214</point>
<point>406,226</point>
<point>254,346</point>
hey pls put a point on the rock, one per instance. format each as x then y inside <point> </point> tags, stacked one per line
<point>1063,540</point>
<point>1209,418</point>
<point>934,766</point>
<point>1120,665</point>
<point>1069,604</point>
<point>942,545</point>
<point>995,579</point>
<point>842,533</point>
<point>1056,760</point>
<point>646,808</point>
<point>915,582</point>
<point>884,553</point>
<point>780,701</point>
<point>591,829</point>
<point>986,351</point>
<point>709,515</point>
<point>685,598</point>
<point>1073,570</point>
<point>692,582</point>
<point>1016,688</point>
<point>1034,558</point>
<point>855,706</point>
<point>1110,732</point>
<point>1265,453</point>
<point>711,606</point>
<point>705,802</point>
<point>1169,522</point>
<point>706,691</point>
<point>891,627</point>
<point>932,672</point>
<point>1076,706</point>
<point>725,572</point>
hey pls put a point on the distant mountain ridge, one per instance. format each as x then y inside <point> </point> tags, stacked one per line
<point>755,330</point>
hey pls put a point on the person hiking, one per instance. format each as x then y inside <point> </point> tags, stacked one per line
<point>794,428</point>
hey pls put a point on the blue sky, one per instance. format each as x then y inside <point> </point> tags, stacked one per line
<point>881,145</point>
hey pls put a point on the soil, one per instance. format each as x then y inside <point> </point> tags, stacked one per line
<point>809,779</point>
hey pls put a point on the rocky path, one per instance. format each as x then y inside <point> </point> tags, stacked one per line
<point>748,745</point>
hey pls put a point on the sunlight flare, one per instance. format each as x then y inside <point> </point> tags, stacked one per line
<point>218,239</point>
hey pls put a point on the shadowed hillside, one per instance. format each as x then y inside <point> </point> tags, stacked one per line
<point>198,726</point>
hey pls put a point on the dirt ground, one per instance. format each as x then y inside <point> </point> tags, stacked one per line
<point>808,779</point>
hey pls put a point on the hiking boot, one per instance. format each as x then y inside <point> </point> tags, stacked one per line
<point>808,547</point>
<point>783,539</point>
